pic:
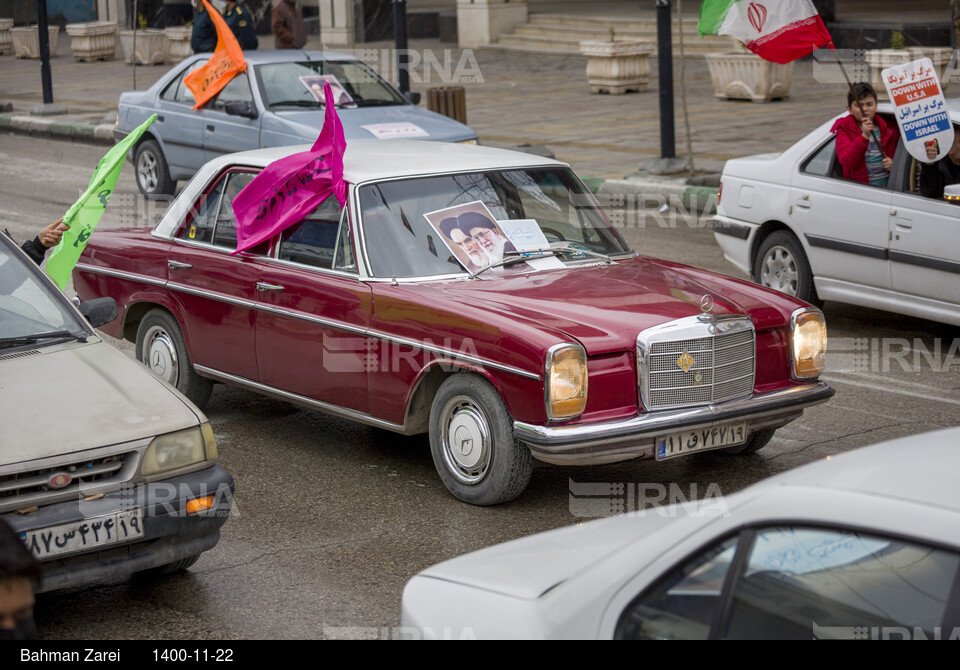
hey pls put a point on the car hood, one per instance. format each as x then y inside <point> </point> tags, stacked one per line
<point>78,396</point>
<point>529,567</point>
<point>605,307</point>
<point>306,124</point>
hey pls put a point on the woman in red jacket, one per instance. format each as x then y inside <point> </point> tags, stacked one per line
<point>865,143</point>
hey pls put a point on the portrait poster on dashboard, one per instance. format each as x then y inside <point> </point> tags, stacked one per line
<point>472,235</point>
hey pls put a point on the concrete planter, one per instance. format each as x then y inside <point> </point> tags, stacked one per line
<point>26,41</point>
<point>746,76</point>
<point>178,43</point>
<point>151,46</point>
<point>880,59</point>
<point>617,67</point>
<point>6,40</point>
<point>93,41</point>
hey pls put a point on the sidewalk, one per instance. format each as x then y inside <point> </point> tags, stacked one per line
<point>512,100</point>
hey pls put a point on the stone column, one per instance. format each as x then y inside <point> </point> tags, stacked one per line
<point>114,11</point>
<point>481,22</point>
<point>337,25</point>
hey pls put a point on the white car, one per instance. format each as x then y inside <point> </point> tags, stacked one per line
<point>793,223</point>
<point>862,545</point>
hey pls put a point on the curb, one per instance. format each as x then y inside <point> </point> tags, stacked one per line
<point>676,193</point>
<point>39,126</point>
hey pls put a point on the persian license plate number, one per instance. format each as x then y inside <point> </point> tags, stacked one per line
<point>70,538</point>
<point>702,439</point>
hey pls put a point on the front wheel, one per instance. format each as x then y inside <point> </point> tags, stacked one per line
<point>755,443</point>
<point>160,346</point>
<point>472,443</point>
<point>781,264</point>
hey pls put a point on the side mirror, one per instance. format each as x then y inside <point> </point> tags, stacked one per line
<point>240,108</point>
<point>412,98</point>
<point>952,193</point>
<point>99,311</point>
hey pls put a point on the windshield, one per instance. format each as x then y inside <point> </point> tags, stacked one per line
<point>28,306</point>
<point>476,222</point>
<point>353,83</point>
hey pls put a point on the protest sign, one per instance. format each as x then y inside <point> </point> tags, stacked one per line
<point>921,110</point>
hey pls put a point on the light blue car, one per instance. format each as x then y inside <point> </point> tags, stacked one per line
<point>276,102</point>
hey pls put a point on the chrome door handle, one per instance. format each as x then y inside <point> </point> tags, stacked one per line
<point>177,265</point>
<point>263,287</point>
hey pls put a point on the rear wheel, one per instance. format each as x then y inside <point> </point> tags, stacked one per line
<point>171,568</point>
<point>152,171</point>
<point>755,443</point>
<point>160,346</point>
<point>781,264</point>
<point>472,443</point>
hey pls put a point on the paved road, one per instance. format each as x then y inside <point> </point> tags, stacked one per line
<point>333,518</point>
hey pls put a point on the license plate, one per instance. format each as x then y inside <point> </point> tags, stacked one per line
<point>70,538</point>
<point>702,439</point>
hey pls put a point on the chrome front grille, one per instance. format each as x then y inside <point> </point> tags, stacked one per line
<point>696,361</point>
<point>30,488</point>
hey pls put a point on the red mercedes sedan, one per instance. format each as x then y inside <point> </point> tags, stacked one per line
<point>475,294</point>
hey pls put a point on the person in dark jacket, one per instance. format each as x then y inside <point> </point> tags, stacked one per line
<point>48,237</point>
<point>935,176</point>
<point>240,20</point>
<point>19,575</point>
<point>204,37</point>
<point>287,24</point>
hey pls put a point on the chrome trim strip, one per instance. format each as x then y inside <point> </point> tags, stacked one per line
<point>230,300</point>
<point>637,434</point>
<point>320,321</point>
<point>299,399</point>
<point>144,279</point>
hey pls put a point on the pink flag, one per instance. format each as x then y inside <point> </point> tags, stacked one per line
<point>290,188</point>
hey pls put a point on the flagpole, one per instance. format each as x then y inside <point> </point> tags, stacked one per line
<point>136,18</point>
<point>683,92</point>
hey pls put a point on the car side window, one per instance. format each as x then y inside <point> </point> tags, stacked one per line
<point>170,92</point>
<point>200,226</point>
<point>238,90</point>
<point>313,241</point>
<point>344,259</point>
<point>225,234</point>
<point>684,604</point>
<point>184,95</point>
<point>824,163</point>
<point>803,583</point>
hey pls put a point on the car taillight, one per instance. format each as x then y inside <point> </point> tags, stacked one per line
<point>720,193</point>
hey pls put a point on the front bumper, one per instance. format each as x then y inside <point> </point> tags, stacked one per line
<point>613,441</point>
<point>169,533</point>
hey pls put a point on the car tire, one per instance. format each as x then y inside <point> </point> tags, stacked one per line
<point>754,443</point>
<point>472,442</point>
<point>152,171</point>
<point>160,346</point>
<point>782,265</point>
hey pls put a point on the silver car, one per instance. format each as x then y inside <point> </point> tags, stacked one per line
<point>105,469</point>
<point>276,102</point>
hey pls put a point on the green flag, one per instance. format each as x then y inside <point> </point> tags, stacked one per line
<point>84,215</point>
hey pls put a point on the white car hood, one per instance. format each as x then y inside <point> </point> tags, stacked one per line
<point>77,396</point>
<point>528,567</point>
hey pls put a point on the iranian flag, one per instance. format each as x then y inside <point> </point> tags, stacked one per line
<point>776,30</point>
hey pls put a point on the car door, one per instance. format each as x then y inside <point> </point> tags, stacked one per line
<point>217,291</point>
<point>314,313</point>
<point>844,223</point>
<point>180,126</point>
<point>924,252</point>
<point>228,133</point>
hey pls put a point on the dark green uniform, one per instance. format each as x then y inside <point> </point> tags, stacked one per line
<point>240,21</point>
<point>204,37</point>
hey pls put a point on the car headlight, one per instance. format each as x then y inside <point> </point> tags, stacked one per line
<point>808,342</point>
<point>474,142</point>
<point>566,381</point>
<point>179,449</point>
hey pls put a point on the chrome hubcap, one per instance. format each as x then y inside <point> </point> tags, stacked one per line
<point>160,355</point>
<point>466,439</point>
<point>147,171</point>
<point>779,271</point>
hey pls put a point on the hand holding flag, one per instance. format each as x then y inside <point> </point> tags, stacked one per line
<point>776,30</point>
<point>290,188</point>
<point>227,60</point>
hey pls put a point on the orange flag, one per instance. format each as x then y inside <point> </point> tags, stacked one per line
<point>226,61</point>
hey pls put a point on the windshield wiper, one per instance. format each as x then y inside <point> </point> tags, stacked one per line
<point>296,103</point>
<point>33,339</point>
<point>377,103</point>
<point>531,254</point>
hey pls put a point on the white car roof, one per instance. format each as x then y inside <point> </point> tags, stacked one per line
<point>381,159</point>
